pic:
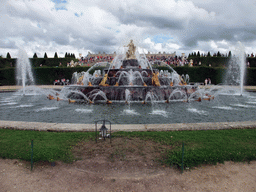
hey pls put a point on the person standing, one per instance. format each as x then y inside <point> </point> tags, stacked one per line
<point>209,81</point>
<point>205,82</point>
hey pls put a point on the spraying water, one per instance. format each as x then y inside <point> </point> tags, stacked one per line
<point>236,68</point>
<point>24,75</point>
<point>242,65</point>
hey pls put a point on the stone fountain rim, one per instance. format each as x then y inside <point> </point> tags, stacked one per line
<point>13,88</point>
<point>72,127</point>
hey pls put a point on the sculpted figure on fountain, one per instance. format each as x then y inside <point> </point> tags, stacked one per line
<point>104,80</point>
<point>130,54</point>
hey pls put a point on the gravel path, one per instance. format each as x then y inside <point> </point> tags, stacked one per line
<point>15,175</point>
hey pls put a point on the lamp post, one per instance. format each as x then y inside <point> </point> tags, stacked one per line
<point>103,130</point>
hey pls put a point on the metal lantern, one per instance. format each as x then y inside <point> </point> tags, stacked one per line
<point>103,130</point>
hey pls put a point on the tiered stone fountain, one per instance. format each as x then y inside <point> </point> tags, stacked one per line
<point>130,73</point>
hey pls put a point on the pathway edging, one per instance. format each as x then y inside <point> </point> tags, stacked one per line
<point>69,127</point>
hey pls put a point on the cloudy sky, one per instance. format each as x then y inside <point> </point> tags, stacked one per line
<point>79,26</point>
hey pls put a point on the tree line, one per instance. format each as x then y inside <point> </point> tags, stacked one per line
<point>36,61</point>
<point>218,54</point>
<point>67,55</point>
<point>215,60</point>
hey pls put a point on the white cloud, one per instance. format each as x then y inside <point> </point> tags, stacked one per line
<point>96,25</point>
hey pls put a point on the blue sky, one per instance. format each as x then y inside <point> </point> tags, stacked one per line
<point>161,38</point>
<point>60,4</point>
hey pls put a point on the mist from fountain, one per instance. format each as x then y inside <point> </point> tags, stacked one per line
<point>74,78</point>
<point>156,108</point>
<point>128,97</point>
<point>178,95</point>
<point>84,78</point>
<point>81,94</point>
<point>235,74</point>
<point>131,76</point>
<point>24,75</point>
<point>95,93</point>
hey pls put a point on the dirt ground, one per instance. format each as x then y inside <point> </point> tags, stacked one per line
<point>128,164</point>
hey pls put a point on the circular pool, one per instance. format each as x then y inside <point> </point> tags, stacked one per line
<point>37,108</point>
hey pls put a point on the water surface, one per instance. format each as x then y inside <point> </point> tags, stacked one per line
<point>37,108</point>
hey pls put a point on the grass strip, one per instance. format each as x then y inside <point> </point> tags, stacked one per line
<point>204,146</point>
<point>201,147</point>
<point>48,146</point>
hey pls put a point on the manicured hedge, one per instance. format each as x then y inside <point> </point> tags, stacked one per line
<point>46,75</point>
<point>218,61</point>
<point>7,63</point>
<point>36,62</point>
<point>7,76</point>
<point>51,62</point>
<point>214,61</point>
<point>252,61</point>
<point>198,74</point>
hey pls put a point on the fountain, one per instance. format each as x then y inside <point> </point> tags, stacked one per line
<point>236,68</point>
<point>148,96</point>
<point>132,72</point>
<point>24,75</point>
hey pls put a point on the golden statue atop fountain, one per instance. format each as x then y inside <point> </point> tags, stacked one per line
<point>130,54</point>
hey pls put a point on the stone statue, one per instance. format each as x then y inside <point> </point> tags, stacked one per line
<point>130,54</point>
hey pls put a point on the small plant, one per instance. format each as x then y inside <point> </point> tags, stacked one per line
<point>51,160</point>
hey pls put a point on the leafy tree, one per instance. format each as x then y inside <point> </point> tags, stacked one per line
<point>70,55</point>
<point>8,56</point>
<point>35,56</point>
<point>45,55</point>
<point>209,54</point>
<point>229,54</point>
<point>218,54</point>
<point>55,55</point>
<point>198,54</point>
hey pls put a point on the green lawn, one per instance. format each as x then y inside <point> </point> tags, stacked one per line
<point>201,147</point>
<point>48,146</point>
<point>204,147</point>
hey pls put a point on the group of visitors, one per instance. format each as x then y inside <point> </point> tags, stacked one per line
<point>61,82</point>
<point>170,60</point>
<point>176,61</point>
<point>207,81</point>
<point>95,59</point>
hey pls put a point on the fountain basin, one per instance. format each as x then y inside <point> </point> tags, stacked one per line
<point>37,108</point>
<point>138,93</point>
